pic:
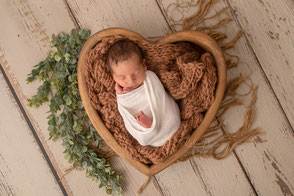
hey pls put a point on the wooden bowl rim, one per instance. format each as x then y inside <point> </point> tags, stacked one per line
<point>200,39</point>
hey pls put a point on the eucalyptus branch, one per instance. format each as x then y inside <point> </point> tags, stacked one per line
<point>67,117</point>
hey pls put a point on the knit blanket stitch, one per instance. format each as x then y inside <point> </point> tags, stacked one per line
<point>187,72</point>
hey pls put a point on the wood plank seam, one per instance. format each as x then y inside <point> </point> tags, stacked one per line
<point>78,26</point>
<point>196,170</point>
<point>234,153</point>
<point>26,11</point>
<point>72,16</point>
<point>245,172</point>
<point>164,16</point>
<point>33,132</point>
<point>241,165</point>
<point>193,164</point>
<point>283,186</point>
<point>260,66</point>
<point>167,22</point>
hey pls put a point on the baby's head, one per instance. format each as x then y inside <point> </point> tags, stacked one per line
<point>126,64</point>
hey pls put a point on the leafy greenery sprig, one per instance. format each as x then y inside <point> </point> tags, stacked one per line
<point>67,117</point>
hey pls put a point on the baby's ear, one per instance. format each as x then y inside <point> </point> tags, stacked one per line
<point>144,64</point>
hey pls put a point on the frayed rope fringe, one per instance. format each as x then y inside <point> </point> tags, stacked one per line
<point>230,140</point>
<point>204,147</point>
<point>144,185</point>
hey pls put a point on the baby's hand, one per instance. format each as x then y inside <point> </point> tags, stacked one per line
<point>143,120</point>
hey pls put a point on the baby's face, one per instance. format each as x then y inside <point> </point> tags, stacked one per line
<point>130,73</point>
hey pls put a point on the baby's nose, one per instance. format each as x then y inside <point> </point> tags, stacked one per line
<point>131,81</point>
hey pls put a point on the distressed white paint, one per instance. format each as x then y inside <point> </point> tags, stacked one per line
<point>149,21</point>
<point>270,163</point>
<point>140,16</point>
<point>269,27</point>
<point>268,159</point>
<point>23,168</point>
<point>23,43</point>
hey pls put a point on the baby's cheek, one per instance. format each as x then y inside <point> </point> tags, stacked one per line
<point>122,84</point>
<point>142,78</point>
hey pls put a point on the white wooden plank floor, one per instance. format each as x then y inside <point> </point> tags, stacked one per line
<point>30,164</point>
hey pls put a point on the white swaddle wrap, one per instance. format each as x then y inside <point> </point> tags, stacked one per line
<point>157,104</point>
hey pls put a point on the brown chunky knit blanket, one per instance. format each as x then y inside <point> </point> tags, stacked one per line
<point>185,70</point>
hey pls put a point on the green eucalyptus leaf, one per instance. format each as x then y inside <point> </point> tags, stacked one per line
<point>67,156</point>
<point>57,57</point>
<point>67,117</point>
<point>54,50</point>
<point>67,99</point>
<point>85,164</point>
<point>84,149</point>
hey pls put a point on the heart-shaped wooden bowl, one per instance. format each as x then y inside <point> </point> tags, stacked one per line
<point>200,39</point>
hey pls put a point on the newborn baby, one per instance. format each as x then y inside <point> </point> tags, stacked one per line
<point>149,113</point>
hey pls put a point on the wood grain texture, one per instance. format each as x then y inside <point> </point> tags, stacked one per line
<point>272,53</point>
<point>209,177</point>
<point>267,160</point>
<point>270,174</point>
<point>185,173</point>
<point>23,168</point>
<point>273,44</point>
<point>24,43</point>
<point>140,16</point>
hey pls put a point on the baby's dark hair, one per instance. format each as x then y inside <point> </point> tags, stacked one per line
<point>121,51</point>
